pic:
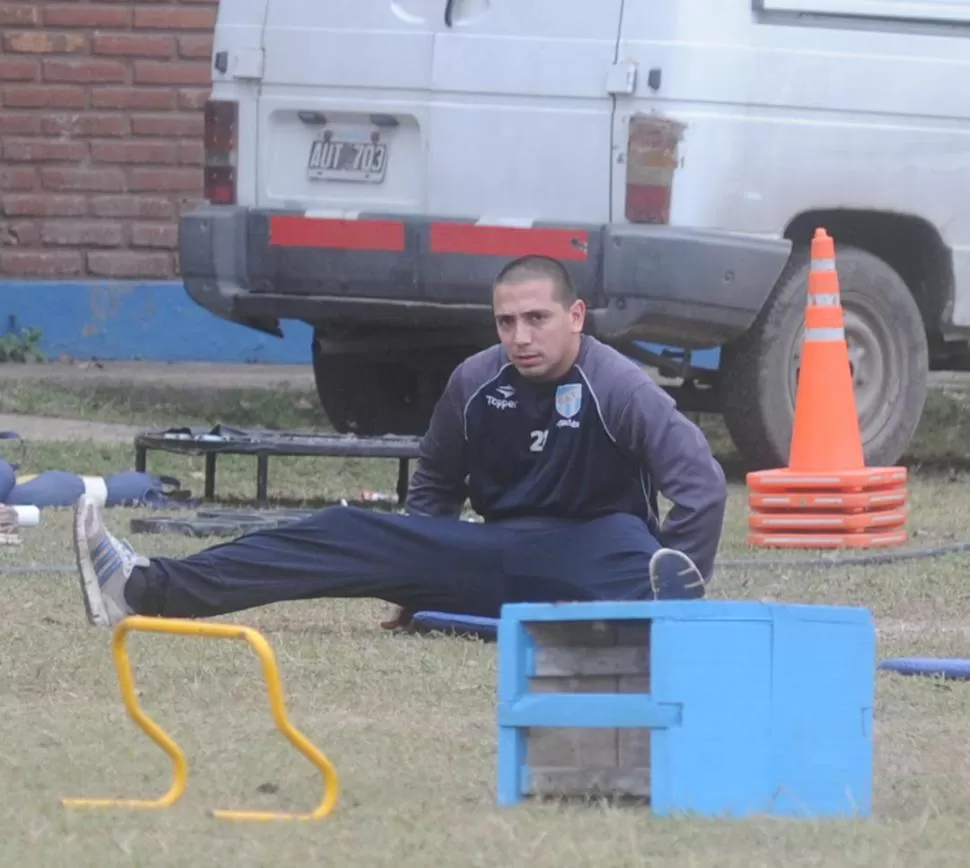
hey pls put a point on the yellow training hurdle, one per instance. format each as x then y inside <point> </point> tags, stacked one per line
<point>180,766</point>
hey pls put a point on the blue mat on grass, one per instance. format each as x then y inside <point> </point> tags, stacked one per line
<point>948,667</point>
<point>458,625</point>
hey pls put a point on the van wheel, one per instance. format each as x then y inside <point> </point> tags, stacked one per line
<point>887,352</point>
<point>372,395</point>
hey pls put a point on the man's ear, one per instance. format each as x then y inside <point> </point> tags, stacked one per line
<point>577,312</point>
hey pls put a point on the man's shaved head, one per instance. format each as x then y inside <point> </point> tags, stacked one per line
<point>528,268</point>
<point>539,316</point>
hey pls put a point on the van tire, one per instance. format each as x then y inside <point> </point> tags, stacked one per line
<point>888,349</point>
<point>373,395</point>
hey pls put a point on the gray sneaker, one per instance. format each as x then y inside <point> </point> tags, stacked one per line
<point>674,576</point>
<point>104,564</point>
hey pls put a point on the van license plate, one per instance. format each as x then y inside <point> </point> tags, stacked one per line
<point>345,160</point>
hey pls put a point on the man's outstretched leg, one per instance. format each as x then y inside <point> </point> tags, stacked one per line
<point>413,562</point>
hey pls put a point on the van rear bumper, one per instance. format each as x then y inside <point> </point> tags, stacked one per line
<point>690,288</point>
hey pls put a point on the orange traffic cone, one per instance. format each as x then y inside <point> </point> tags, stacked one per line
<point>826,497</point>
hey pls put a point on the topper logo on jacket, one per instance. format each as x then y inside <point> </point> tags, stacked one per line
<point>569,401</point>
<point>506,399</point>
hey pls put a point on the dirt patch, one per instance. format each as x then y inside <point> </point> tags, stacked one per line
<point>66,430</point>
<point>188,375</point>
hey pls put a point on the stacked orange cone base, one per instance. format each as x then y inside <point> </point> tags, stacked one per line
<point>827,497</point>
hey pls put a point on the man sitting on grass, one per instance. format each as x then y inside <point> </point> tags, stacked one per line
<point>559,442</point>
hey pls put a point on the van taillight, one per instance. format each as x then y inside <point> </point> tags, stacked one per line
<point>651,162</point>
<point>221,140</point>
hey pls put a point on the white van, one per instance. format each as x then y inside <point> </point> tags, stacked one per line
<point>371,165</point>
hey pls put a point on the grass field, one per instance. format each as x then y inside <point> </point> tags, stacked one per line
<point>409,722</point>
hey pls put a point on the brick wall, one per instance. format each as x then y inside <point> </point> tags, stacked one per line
<point>101,133</point>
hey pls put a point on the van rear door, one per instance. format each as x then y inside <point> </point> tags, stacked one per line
<point>522,109</point>
<point>343,107</point>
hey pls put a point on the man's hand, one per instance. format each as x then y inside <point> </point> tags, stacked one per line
<point>400,618</point>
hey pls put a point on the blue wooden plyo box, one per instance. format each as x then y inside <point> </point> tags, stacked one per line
<point>703,707</point>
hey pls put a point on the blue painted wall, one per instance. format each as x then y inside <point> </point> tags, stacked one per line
<point>151,321</point>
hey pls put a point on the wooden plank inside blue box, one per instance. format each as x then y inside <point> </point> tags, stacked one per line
<point>705,707</point>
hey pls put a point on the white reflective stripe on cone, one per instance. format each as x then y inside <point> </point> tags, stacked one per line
<point>823,265</point>
<point>824,336</point>
<point>824,299</point>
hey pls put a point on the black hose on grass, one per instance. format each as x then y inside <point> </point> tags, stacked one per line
<point>881,557</point>
<point>822,563</point>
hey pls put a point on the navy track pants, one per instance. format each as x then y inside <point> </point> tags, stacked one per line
<point>416,562</point>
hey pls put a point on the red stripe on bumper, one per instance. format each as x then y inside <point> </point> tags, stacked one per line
<point>470,238</point>
<point>293,231</point>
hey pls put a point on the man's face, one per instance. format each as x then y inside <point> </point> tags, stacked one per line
<point>540,335</point>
